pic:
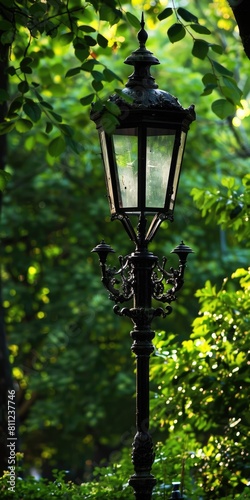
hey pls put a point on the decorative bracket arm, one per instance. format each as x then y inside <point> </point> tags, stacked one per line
<point>123,289</point>
<point>110,274</point>
<point>175,277</point>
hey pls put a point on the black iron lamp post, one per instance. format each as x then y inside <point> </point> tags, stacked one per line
<point>142,159</point>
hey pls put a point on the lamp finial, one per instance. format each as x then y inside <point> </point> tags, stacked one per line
<point>142,35</point>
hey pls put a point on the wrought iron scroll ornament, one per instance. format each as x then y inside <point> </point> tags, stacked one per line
<point>121,283</point>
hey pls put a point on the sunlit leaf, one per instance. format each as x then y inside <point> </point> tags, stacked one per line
<point>112,108</point>
<point>134,21</point>
<point>223,108</point>
<point>109,122</point>
<point>6,127</point>
<point>221,69</point>
<point>23,125</point>
<point>4,179</point>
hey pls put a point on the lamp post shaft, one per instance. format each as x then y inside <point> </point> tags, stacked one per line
<point>142,178</point>
<point>142,481</point>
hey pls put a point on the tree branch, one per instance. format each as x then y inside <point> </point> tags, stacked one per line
<point>241,10</point>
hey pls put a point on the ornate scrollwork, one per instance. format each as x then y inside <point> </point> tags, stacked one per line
<point>124,288</point>
<point>142,452</point>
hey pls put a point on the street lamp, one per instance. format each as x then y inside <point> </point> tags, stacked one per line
<point>142,159</point>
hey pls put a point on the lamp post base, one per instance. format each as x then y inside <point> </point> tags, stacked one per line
<point>143,486</point>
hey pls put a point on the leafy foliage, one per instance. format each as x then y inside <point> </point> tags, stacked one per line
<point>203,390</point>
<point>220,78</point>
<point>70,356</point>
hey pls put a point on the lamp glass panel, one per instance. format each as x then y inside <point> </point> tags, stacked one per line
<point>178,168</point>
<point>107,171</point>
<point>126,156</point>
<point>160,143</point>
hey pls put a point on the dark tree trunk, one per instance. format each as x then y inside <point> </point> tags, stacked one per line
<point>5,369</point>
<point>241,10</point>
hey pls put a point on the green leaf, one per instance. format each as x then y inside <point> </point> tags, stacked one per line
<point>32,110</point>
<point>5,25</point>
<point>23,125</point>
<point>124,96</point>
<point>27,70</point>
<point>26,61</point>
<point>231,90</point>
<point>236,211</point>
<point>223,108</point>
<point>90,41</point>
<point>221,69</point>
<point>57,117</point>
<point>66,38</point>
<point>110,75</point>
<point>11,71</point>
<point>216,48</point>
<point>97,106</point>
<point>165,13</point>
<point>46,105</point>
<point>73,72</point>
<point>7,37</point>
<point>209,89</point>
<point>66,130</point>
<point>49,127</point>
<point>209,78</point>
<point>231,84</point>
<point>246,88</point>
<point>200,49</point>
<point>15,105</point>
<point>109,122</point>
<point>176,32</point>
<point>89,65</point>
<point>23,87</point>
<point>88,99</point>
<point>86,29</point>
<point>56,146</point>
<point>102,41</point>
<point>6,127</point>
<point>187,15</point>
<point>4,96</point>
<point>109,14</point>
<point>81,52</point>
<point>228,182</point>
<point>112,108</point>
<point>134,21</point>
<point>4,179</point>
<point>198,28</point>
<point>97,86</point>
<point>97,75</point>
